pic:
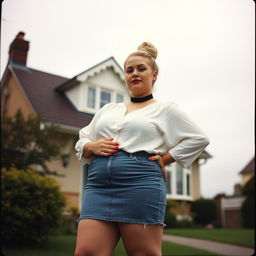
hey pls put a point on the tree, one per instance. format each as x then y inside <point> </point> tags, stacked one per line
<point>248,206</point>
<point>205,211</point>
<point>27,142</point>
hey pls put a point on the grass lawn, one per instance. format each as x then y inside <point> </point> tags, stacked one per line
<point>242,237</point>
<point>64,246</point>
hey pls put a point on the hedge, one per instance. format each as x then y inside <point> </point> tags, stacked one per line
<point>248,206</point>
<point>204,211</point>
<point>32,206</point>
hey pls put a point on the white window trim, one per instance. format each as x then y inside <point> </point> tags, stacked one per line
<point>97,103</point>
<point>114,94</point>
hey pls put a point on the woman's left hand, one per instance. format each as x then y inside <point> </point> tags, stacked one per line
<point>160,161</point>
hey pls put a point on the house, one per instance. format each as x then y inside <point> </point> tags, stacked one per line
<point>247,172</point>
<point>229,208</point>
<point>71,104</point>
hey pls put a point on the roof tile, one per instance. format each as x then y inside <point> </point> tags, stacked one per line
<point>53,106</point>
<point>249,168</point>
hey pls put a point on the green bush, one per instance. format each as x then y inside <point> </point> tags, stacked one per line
<point>248,206</point>
<point>170,218</point>
<point>204,211</point>
<point>68,226</point>
<point>32,206</point>
<point>184,224</point>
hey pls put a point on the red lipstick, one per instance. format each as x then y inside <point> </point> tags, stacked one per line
<point>136,81</point>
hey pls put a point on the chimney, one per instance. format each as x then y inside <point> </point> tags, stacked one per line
<point>19,49</point>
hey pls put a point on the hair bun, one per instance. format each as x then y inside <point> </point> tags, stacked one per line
<point>149,49</point>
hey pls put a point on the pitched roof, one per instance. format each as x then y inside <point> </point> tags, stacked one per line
<point>249,168</point>
<point>53,106</point>
<point>110,62</point>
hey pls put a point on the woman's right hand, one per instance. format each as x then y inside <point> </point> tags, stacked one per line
<point>101,147</point>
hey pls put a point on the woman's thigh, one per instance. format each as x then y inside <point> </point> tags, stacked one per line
<point>96,237</point>
<point>142,240</point>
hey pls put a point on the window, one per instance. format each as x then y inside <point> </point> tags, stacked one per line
<point>91,97</point>
<point>105,97</point>
<point>119,98</point>
<point>188,184</point>
<point>97,97</point>
<point>168,183</point>
<point>179,179</point>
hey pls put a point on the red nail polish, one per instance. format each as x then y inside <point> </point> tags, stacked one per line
<point>116,144</point>
<point>150,158</point>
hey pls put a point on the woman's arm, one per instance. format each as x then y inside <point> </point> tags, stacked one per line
<point>167,159</point>
<point>186,141</point>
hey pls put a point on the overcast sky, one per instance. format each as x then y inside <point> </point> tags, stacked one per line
<point>206,59</point>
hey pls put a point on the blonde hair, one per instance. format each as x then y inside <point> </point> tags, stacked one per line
<point>147,50</point>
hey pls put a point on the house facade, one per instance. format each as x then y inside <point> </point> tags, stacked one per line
<point>71,104</point>
<point>247,172</point>
<point>229,208</point>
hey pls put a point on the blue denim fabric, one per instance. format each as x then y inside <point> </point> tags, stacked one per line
<point>125,187</point>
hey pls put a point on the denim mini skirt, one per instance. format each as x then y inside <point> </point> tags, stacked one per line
<point>125,187</point>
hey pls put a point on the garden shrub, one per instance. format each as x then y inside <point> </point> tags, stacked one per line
<point>184,224</point>
<point>170,218</point>
<point>69,222</point>
<point>248,206</point>
<point>32,206</point>
<point>204,211</point>
<point>68,226</point>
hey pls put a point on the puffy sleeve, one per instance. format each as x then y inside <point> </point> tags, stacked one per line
<point>87,134</point>
<point>186,141</point>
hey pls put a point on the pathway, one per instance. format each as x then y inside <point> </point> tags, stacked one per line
<point>219,248</point>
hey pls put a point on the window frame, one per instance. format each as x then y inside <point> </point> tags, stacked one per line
<point>119,94</point>
<point>98,90</point>
<point>103,90</point>
<point>172,171</point>
<point>95,97</point>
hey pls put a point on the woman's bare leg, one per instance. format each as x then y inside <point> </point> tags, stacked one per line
<point>96,238</point>
<point>140,240</point>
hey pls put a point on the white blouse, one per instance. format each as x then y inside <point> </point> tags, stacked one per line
<point>156,128</point>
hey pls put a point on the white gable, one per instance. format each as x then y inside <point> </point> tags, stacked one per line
<point>107,79</point>
<point>102,82</point>
<point>102,66</point>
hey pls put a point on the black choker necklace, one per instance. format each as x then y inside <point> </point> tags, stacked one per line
<point>148,97</point>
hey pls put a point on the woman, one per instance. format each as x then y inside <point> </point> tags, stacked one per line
<point>127,146</point>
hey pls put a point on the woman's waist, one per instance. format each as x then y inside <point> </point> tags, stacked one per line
<point>123,160</point>
<point>122,152</point>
